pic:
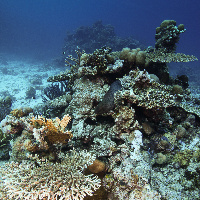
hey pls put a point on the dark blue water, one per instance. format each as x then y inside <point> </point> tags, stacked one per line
<point>37,28</point>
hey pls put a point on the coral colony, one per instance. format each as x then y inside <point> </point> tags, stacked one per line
<point>122,129</point>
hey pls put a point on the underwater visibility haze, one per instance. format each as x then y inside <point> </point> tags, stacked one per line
<point>99,100</point>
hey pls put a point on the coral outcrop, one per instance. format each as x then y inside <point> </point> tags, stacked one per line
<point>107,103</point>
<point>133,119</point>
<point>35,134</point>
<point>94,37</point>
<point>167,35</point>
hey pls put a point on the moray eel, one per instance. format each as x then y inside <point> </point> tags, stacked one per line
<point>107,103</point>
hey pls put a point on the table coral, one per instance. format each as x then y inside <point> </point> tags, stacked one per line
<point>163,57</point>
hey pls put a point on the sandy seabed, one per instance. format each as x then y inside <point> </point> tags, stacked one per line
<point>17,77</point>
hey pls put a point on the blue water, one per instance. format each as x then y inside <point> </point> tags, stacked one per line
<point>37,28</point>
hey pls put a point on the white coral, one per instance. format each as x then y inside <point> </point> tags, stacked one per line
<point>63,180</point>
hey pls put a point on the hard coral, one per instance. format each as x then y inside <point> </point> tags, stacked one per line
<point>53,130</point>
<point>167,35</point>
<point>63,180</point>
<point>160,56</point>
<point>97,166</point>
<point>133,56</point>
<point>21,112</point>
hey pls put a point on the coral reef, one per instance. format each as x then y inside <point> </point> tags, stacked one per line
<point>65,180</point>
<point>35,135</point>
<point>5,106</point>
<point>94,37</point>
<point>140,128</point>
<point>167,35</point>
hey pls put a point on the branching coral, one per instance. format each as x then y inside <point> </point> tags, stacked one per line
<point>141,90</point>
<point>63,180</point>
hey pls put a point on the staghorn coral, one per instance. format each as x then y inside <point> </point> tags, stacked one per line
<point>46,180</point>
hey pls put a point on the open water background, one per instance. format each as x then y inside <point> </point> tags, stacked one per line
<point>37,28</point>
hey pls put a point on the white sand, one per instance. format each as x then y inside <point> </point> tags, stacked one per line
<point>20,76</point>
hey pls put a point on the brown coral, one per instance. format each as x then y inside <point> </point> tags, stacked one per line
<point>21,112</point>
<point>30,146</point>
<point>53,130</point>
<point>97,166</point>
